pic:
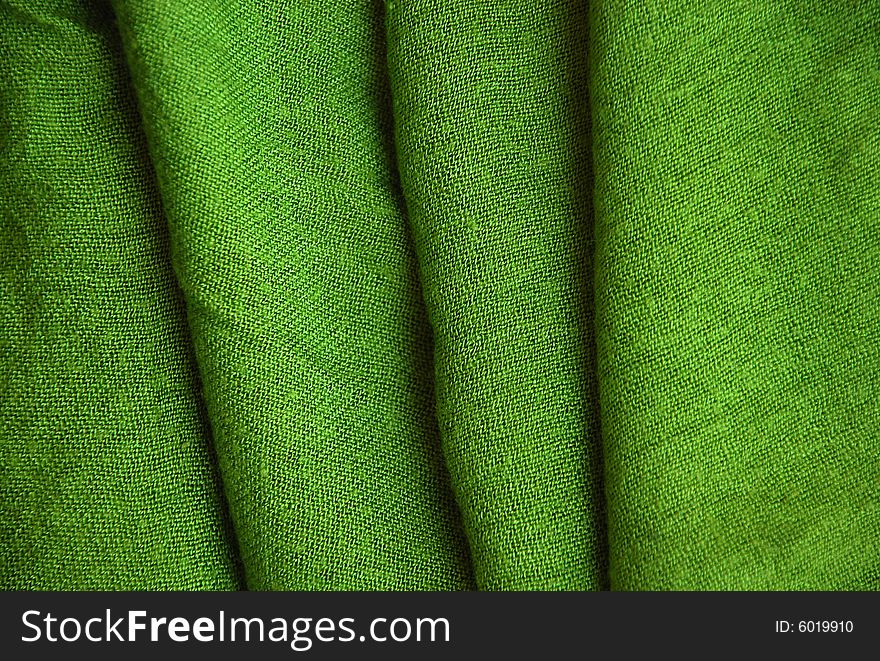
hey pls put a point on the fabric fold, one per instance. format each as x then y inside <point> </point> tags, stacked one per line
<point>107,475</point>
<point>492,136</point>
<point>269,125</point>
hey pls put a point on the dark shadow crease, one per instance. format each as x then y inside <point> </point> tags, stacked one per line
<point>138,135</point>
<point>576,40</point>
<point>384,104</point>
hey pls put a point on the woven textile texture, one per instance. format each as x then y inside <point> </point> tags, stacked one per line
<point>421,295</point>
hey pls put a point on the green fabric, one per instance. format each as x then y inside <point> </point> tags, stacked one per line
<point>429,295</point>
<point>494,163</point>
<point>737,151</point>
<point>107,476</point>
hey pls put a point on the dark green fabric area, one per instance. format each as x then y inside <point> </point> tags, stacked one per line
<point>428,295</point>
<point>107,479</point>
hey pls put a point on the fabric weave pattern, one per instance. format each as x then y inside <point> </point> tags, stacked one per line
<point>419,295</point>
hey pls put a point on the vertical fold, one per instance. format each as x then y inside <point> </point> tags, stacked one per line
<point>737,161</point>
<point>270,130</point>
<point>492,136</point>
<point>107,480</point>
